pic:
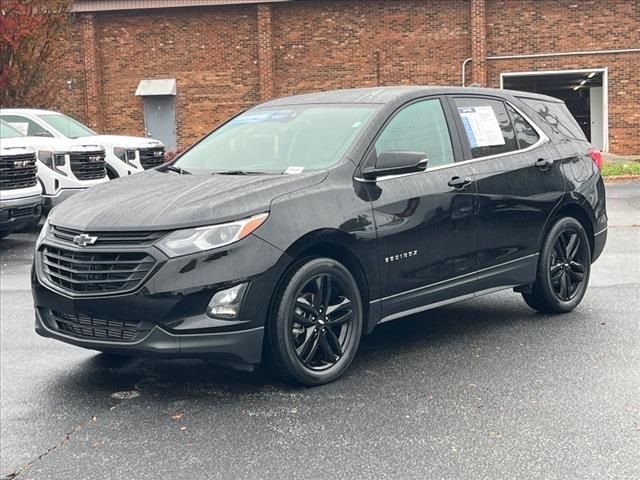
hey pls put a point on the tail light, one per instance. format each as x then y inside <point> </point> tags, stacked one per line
<point>596,156</point>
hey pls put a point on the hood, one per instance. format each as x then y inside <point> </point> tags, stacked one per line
<point>15,146</point>
<point>121,141</point>
<point>54,144</point>
<point>155,200</point>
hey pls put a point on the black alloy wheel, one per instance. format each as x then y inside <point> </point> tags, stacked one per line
<point>564,267</point>
<point>567,265</point>
<point>316,330</point>
<point>321,322</point>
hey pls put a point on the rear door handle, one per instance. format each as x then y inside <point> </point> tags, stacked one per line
<point>544,163</point>
<point>459,182</point>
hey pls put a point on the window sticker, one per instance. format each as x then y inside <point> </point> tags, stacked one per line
<point>280,116</point>
<point>482,126</point>
<point>293,170</point>
<point>22,127</point>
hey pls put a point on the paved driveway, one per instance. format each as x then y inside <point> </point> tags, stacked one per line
<point>485,389</point>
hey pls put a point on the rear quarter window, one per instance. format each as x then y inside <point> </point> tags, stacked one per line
<point>557,116</point>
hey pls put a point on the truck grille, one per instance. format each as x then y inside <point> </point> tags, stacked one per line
<point>95,272</point>
<point>109,238</point>
<point>84,326</point>
<point>18,171</point>
<point>151,157</point>
<point>88,165</point>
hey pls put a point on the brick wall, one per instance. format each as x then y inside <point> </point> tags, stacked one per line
<point>542,26</point>
<point>227,58</point>
<point>340,44</point>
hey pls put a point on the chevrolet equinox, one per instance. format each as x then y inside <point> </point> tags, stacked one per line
<point>299,225</point>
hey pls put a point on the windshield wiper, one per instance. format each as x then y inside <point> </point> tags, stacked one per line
<point>243,172</point>
<point>181,171</point>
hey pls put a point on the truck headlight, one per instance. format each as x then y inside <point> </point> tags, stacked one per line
<point>192,240</point>
<point>53,160</point>
<point>121,153</point>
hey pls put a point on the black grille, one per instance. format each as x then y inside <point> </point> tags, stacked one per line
<point>25,211</point>
<point>95,272</point>
<point>84,326</point>
<point>88,165</point>
<point>109,238</point>
<point>151,157</point>
<point>18,171</point>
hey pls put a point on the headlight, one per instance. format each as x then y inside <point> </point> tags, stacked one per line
<point>43,233</point>
<point>192,240</point>
<point>53,160</point>
<point>125,155</point>
<point>46,157</point>
<point>121,153</point>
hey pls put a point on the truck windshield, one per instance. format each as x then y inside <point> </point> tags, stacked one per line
<point>7,131</point>
<point>279,140</point>
<point>67,126</point>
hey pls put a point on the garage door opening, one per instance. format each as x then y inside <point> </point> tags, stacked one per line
<point>584,92</point>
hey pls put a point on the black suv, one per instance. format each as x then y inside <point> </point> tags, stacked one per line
<point>299,225</point>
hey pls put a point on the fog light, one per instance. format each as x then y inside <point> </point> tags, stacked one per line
<point>226,304</point>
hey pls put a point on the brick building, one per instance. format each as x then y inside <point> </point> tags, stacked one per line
<point>228,55</point>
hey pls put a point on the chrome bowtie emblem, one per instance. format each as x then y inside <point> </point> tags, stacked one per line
<point>83,240</point>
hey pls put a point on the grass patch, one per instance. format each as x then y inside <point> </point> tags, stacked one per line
<point>612,169</point>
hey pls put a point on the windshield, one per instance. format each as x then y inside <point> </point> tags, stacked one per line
<point>284,140</point>
<point>7,131</point>
<point>67,126</point>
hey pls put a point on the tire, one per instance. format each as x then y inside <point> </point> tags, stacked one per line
<point>315,330</point>
<point>112,174</point>
<point>564,268</point>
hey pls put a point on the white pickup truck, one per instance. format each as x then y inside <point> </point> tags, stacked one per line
<point>64,167</point>
<point>124,155</point>
<point>20,200</point>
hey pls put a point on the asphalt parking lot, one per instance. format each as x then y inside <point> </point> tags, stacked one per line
<point>485,389</point>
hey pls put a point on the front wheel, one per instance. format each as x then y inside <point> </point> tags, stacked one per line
<point>564,267</point>
<point>315,331</point>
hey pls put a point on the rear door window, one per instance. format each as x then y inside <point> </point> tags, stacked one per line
<point>487,126</point>
<point>557,116</point>
<point>526,135</point>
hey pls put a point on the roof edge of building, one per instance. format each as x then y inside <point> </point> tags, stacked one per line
<point>91,6</point>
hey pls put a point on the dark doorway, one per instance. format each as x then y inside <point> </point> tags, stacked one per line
<point>581,90</point>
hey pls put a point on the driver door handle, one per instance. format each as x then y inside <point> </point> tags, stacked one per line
<point>459,182</point>
<point>544,163</point>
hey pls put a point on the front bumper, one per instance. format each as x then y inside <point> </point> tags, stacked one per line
<point>20,212</point>
<point>168,308</point>
<point>240,349</point>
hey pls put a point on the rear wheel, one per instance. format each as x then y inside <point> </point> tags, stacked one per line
<point>316,329</point>
<point>564,267</point>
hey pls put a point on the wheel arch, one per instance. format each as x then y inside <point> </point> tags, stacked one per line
<point>111,172</point>
<point>582,212</point>
<point>335,244</point>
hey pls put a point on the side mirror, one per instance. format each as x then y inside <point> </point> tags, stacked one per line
<point>396,163</point>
